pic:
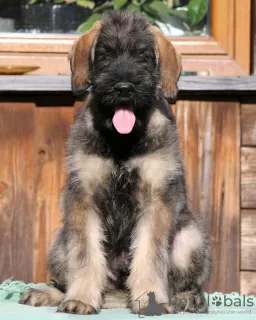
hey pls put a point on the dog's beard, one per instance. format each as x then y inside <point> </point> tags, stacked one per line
<point>123,116</point>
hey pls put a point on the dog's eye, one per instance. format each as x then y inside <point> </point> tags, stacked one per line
<point>146,56</point>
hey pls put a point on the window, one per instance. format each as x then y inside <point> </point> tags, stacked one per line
<point>173,17</point>
<point>213,36</point>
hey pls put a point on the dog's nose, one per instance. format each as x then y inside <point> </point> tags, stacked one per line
<point>124,89</point>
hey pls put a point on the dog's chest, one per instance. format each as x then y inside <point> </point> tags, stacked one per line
<point>118,208</point>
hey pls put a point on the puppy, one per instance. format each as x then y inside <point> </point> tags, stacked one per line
<point>127,229</point>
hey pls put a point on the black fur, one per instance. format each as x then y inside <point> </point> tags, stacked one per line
<point>119,209</point>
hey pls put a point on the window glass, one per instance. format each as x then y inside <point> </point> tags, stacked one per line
<point>173,17</point>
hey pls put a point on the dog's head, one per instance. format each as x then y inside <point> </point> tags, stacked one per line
<point>127,62</point>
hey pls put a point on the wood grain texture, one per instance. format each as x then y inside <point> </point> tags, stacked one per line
<point>16,191</point>
<point>248,240</point>
<point>214,65</point>
<point>248,124</point>
<point>242,50</point>
<point>210,143</point>
<point>218,65</point>
<point>222,26</point>
<point>49,63</point>
<point>41,43</point>
<point>52,127</point>
<point>54,44</point>
<point>248,283</point>
<point>187,84</point>
<point>248,177</point>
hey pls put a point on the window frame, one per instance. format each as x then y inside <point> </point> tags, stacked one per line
<point>230,39</point>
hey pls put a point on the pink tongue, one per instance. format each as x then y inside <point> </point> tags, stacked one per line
<point>124,120</point>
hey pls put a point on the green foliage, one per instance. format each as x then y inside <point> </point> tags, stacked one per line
<point>197,10</point>
<point>118,4</point>
<point>85,3</point>
<point>133,7</point>
<point>191,12</point>
<point>89,22</point>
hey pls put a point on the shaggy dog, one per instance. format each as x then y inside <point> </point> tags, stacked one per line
<point>127,229</point>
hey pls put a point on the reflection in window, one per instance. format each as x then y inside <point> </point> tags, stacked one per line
<point>173,17</point>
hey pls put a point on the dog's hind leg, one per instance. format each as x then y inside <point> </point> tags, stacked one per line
<point>50,296</point>
<point>46,296</point>
<point>189,267</point>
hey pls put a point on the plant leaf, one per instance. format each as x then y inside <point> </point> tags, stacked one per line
<point>182,14</point>
<point>158,8</point>
<point>59,1</point>
<point>133,7</point>
<point>32,1</point>
<point>85,26</point>
<point>197,10</point>
<point>86,3</point>
<point>118,4</point>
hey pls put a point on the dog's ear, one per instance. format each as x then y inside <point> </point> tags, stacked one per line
<point>169,63</point>
<point>80,55</point>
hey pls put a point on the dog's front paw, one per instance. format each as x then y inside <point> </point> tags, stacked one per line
<point>38,298</point>
<point>190,302</point>
<point>76,307</point>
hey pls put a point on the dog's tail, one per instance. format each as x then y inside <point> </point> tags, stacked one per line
<point>116,299</point>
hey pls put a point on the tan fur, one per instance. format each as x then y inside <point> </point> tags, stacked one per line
<point>87,275</point>
<point>186,241</point>
<point>150,241</point>
<point>148,269</point>
<point>80,56</point>
<point>156,123</point>
<point>77,307</point>
<point>116,299</point>
<point>46,296</point>
<point>154,168</point>
<point>92,170</point>
<point>170,64</point>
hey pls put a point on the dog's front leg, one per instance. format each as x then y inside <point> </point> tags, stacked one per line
<point>86,277</point>
<point>149,266</point>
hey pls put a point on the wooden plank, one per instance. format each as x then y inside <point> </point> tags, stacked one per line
<point>248,177</point>
<point>248,283</point>
<point>210,143</point>
<point>16,190</point>
<point>51,44</point>
<point>212,65</point>
<point>52,127</point>
<point>47,63</point>
<point>59,64</point>
<point>61,83</point>
<point>248,124</point>
<point>248,240</point>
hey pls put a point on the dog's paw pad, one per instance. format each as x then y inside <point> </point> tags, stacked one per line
<point>76,307</point>
<point>36,298</point>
